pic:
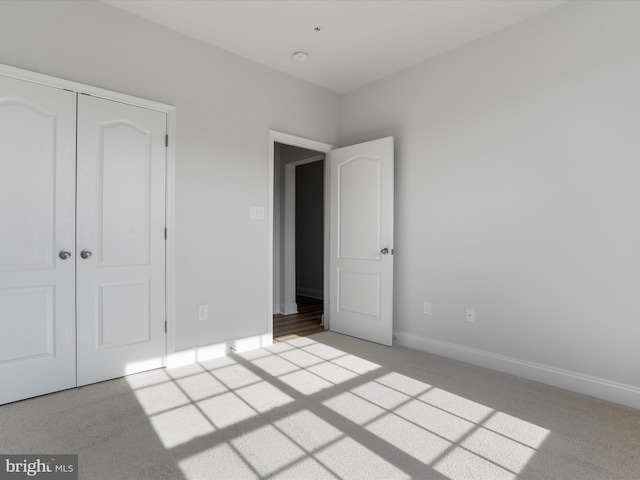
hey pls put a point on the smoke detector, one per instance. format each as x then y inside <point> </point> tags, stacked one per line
<point>300,56</point>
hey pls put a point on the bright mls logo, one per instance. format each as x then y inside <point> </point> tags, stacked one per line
<point>49,467</point>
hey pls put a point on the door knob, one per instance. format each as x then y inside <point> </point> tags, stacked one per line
<point>64,254</point>
<point>384,251</point>
<point>85,253</point>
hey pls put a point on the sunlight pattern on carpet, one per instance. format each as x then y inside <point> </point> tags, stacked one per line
<point>302,409</point>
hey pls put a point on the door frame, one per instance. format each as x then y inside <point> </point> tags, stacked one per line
<point>322,148</point>
<point>170,112</point>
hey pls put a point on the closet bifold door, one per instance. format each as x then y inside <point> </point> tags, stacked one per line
<point>120,258</point>
<point>37,239</point>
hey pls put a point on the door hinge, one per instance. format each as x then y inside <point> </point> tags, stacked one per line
<point>166,140</point>
<point>165,233</point>
<point>165,326</point>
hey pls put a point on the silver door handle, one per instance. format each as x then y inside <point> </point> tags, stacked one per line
<point>384,251</point>
<point>85,254</point>
<point>64,254</point>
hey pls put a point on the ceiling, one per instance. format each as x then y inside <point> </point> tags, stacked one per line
<point>359,41</point>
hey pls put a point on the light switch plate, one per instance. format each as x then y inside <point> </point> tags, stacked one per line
<point>256,212</point>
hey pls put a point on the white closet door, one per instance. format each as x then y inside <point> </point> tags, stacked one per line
<point>37,224</point>
<point>121,220</point>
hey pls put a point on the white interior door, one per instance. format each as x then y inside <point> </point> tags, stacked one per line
<point>121,221</point>
<point>361,241</point>
<point>37,224</point>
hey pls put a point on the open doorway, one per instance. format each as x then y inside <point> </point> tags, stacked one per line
<point>298,264</point>
<point>358,194</point>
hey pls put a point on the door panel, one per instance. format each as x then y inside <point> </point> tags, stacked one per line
<point>361,226</point>
<point>123,316</point>
<point>120,289</point>
<point>29,162</point>
<point>125,177</point>
<point>33,335</point>
<point>359,293</point>
<point>359,213</point>
<point>37,220</point>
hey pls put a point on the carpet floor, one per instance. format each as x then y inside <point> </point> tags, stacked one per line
<point>323,407</point>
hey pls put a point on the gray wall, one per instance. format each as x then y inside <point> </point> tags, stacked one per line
<point>310,229</point>
<point>517,166</point>
<point>225,108</point>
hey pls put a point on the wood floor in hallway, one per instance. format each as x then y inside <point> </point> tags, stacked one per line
<point>305,322</point>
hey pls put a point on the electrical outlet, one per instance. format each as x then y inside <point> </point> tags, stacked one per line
<point>471,315</point>
<point>426,308</point>
<point>203,312</point>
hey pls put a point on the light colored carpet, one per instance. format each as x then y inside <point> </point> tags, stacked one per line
<point>328,406</point>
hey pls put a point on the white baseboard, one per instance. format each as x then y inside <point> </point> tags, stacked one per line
<point>208,352</point>
<point>290,309</point>
<point>596,387</point>
<point>311,293</point>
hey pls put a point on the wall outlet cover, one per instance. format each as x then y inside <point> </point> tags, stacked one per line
<point>471,315</point>
<point>426,308</point>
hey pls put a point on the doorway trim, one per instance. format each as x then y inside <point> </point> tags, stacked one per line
<point>170,111</point>
<point>322,148</point>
